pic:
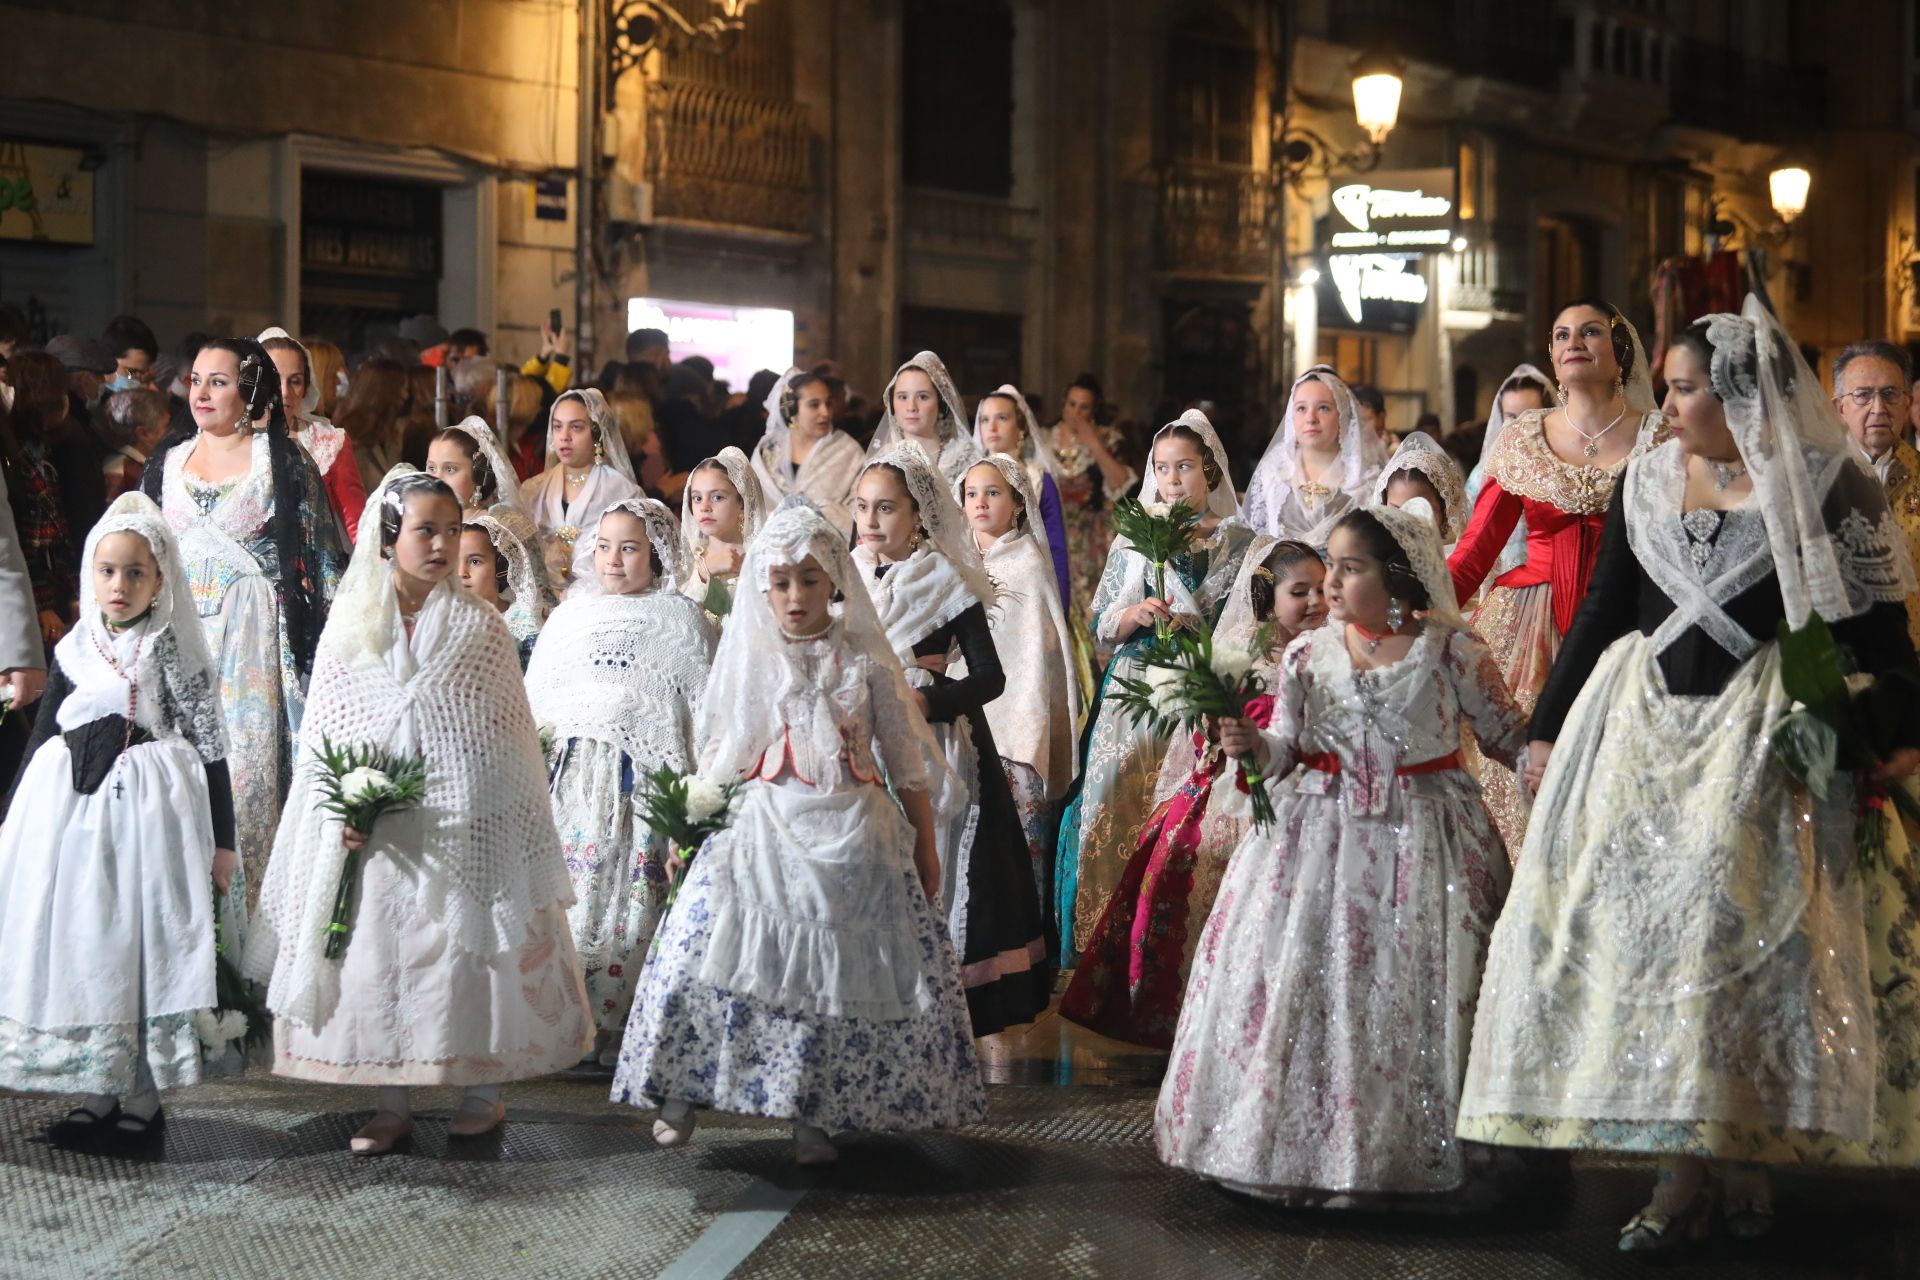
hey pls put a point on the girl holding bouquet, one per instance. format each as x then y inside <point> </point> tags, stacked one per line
<point>931,592</point>
<point>1130,982</point>
<point>458,966</point>
<point>1034,719</point>
<point>615,686</point>
<point>1321,1048</point>
<point>804,972</point>
<point>1186,465</point>
<point>121,828</point>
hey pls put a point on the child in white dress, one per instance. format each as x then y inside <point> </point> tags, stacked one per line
<point>459,968</point>
<point>804,972</point>
<point>121,826</point>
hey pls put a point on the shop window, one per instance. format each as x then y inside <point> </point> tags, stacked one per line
<point>370,255</point>
<point>956,68</point>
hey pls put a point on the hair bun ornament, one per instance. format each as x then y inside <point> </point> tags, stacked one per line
<point>1735,368</point>
<point>1421,507</point>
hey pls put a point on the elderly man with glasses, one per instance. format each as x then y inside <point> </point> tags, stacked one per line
<point>1873,389</point>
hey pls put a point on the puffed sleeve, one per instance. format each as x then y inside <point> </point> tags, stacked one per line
<point>346,491</point>
<point>1609,611</point>
<point>900,734</point>
<point>1486,704</point>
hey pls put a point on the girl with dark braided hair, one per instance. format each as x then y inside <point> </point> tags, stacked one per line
<point>263,552</point>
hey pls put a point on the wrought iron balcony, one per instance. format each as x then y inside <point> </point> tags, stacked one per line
<point>1216,222</point>
<point>720,156</point>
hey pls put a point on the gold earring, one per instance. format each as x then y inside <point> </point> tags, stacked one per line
<point>599,452</point>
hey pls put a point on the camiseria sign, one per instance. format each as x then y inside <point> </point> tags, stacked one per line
<point>1378,231</point>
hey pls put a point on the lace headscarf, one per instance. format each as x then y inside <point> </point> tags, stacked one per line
<point>1020,480</point>
<point>1277,473</point>
<point>1220,499</point>
<point>512,534</point>
<point>778,427</point>
<point>753,502</point>
<point>754,670</point>
<point>1522,377</point>
<point>506,484</point>
<point>360,626</point>
<point>165,653</point>
<point>613,445</point>
<point>1419,453</point>
<point>303,411</point>
<point>1237,621</point>
<point>1414,527</point>
<point>1795,446</point>
<point>946,529</point>
<point>1032,452</point>
<point>663,535</point>
<point>957,449</point>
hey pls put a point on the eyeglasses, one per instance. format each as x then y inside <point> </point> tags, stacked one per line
<point>1862,397</point>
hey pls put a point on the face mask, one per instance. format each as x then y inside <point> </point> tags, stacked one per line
<point>122,382</point>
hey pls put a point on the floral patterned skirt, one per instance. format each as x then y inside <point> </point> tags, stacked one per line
<point>1517,624</point>
<point>843,1011</point>
<point>1324,1037</point>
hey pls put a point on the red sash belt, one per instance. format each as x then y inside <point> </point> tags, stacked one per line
<point>1327,762</point>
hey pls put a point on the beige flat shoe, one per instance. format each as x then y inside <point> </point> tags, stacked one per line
<point>472,1122</point>
<point>377,1136</point>
<point>674,1127</point>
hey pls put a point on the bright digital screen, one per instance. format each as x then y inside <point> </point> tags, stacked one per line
<point>739,340</point>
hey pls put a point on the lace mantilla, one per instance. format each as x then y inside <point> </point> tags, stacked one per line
<point>628,670</point>
<point>957,449</point>
<point>1420,455</point>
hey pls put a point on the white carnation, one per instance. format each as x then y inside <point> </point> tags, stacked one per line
<point>705,798</point>
<point>363,782</point>
<point>1164,686</point>
<point>207,1027</point>
<point>1158,510</point>
<point>1230,663</point>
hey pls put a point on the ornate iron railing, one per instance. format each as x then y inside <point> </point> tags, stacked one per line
<point>721,156</point>
<point>1215,222</point>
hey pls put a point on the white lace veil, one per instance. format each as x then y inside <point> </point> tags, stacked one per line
<point>947,530</point>
<point>740,716</point>
<point>1220,499</point>
<point>613,445</point>
<point>1420,453</point>
<point>663,535</point>
<point>953,411</point>
<point>753,502</point>
<point>180,664</point>
<point>506,484</point>
<point>1031,451</point>
<point>365,612</point>
<point>1237,622</point>
<point>1413,527</point>
<point>1522,376</point>
<point>1273,478</point>
<point>1015,473</point>
<point>513,535</point>
<point>1796,448</point>
<point>778,429</point>
<point>311,400</point>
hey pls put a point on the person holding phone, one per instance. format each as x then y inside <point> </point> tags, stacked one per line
<point>554,364</point>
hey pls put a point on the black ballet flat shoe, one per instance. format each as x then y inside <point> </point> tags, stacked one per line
<point>81,1125</point>
<point>131,1128</point>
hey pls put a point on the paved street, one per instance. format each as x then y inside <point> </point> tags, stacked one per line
<point>253,1179</point>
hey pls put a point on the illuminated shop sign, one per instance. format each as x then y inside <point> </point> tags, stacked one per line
<point>1376,236</point>
<point>739,340</point>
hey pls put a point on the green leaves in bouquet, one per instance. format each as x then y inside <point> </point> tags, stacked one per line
<point>1160,538</point>
<point>664,803</point>
<point>405,787</point>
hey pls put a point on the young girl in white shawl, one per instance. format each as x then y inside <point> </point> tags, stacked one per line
<point>500,565</point>
<point>804,972</point>
<point>1185,464</point>
<point>924,407</point>
<point>1323,1040</point>
<point>459,967</point>
<point>1317,469</point>
<point>932,594</point>
<point>1004,423</point>
<point>121,826</point>
<point>802,453</point>
<point>588,470</point>
<point>720,511</point>
<point>467,458</point>
<point>1035,720</point>
<point>615,685</point>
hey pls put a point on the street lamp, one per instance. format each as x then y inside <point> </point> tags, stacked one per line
<point>1788,187</point>
<point>1376,95</point>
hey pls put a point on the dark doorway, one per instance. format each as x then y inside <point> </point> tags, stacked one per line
<point>1210,357</point>
<point>370,256</point>
<point>981,348</point>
